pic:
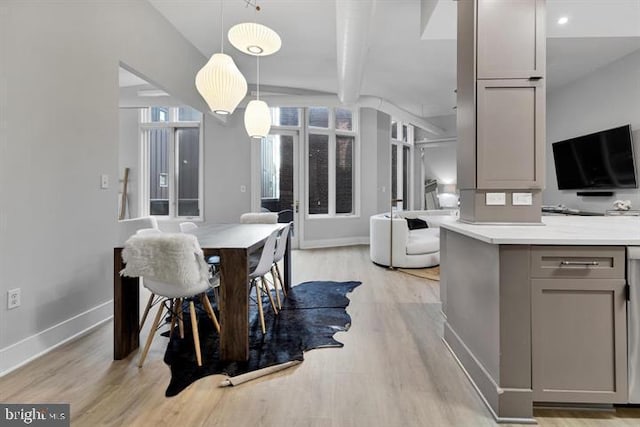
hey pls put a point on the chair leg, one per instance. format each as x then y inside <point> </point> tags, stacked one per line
<point>284,290</point>
<point>146,311</point>
<point>275,287</point>
<point>207,306</point>
<point>194,329</point>
<point>180,318</point>
<point>260,312</point>
<point>174,317</point>
<point>152,332</point>
<point>266,286</point>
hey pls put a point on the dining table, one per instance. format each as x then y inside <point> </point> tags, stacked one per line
<point>234,244</point>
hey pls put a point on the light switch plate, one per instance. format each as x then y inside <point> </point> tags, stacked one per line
<point>496,199</point>
<point>521,199</point>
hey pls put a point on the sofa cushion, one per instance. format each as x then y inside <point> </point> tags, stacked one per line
<point>423,241</point>
<point>416,223</point>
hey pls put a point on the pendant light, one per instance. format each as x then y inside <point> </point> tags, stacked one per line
<point>253,38</point>
<point>257,116</point>
<point>220,82</point>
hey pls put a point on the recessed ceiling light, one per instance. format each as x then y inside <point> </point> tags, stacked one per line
<point>563,20</point>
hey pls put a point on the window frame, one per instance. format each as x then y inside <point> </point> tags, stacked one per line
<point>332,133</point>
<point>145,124</point>
<point>398,143</point>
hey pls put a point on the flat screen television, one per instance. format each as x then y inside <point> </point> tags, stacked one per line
<point>598,160</point>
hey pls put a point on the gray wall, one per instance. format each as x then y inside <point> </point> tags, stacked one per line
<point>227,159</point>
<point>59,81</point>
<point>606,98</point>
<point>128,152</point>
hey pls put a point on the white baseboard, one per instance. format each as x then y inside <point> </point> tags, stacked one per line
<point>30,348</point>
<point>331,243</point>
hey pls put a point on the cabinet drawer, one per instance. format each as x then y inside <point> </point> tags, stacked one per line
<point>591,262</point>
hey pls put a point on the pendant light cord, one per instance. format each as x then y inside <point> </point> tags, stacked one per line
<point>258,77</point>
<point>222,26</point>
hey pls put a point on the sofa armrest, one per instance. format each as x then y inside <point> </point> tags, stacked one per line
<point>380,232</point>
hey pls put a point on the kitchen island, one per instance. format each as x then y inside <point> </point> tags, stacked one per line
<point>538,313</point>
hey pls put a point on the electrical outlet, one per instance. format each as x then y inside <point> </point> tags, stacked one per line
<point>13,298</point>
<point>522,199</point>
<point>243,188</point>
<point>496,199</point>
<point>104,181</point>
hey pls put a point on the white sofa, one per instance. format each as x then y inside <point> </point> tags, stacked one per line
<point>411,248</point>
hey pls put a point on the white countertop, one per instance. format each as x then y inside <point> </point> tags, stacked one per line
<point>557,230</point>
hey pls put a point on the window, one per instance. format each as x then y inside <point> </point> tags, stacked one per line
<point>171,162</point>
<point>285,116</point>
<point>401,164</point>
<point>331,161</point>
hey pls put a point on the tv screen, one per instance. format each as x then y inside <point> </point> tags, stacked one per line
<point>598,160</point>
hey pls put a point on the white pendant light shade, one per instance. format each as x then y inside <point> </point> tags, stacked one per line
<point>254,39</point>
<point>257,119</point>
<point>221,84</point>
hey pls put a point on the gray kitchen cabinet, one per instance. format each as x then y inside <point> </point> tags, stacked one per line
<point>578,325</point>
<point>501,108</point>
<point>510,39</point>
<point>510,134</point>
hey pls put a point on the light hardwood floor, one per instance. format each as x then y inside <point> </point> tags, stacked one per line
<point>393,370</point>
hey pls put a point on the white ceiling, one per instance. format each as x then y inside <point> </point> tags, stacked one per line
<point>407,65</point>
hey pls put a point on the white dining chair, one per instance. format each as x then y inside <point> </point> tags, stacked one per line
<point>259,218</point>
<point>281,248</point>
<point>213,261</point>
<point>172,266</point>
<point>187,226</point>
<point>129,227</point>
<point>257,275</point>
<point>153,298</point>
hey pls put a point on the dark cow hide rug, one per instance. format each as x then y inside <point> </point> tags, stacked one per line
<point>311,314</point>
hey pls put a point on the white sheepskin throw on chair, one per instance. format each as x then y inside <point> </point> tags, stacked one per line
<point>167,257</point>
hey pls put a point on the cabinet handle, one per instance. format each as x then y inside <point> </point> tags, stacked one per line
<point>582,263</point>
<point>535,78</point>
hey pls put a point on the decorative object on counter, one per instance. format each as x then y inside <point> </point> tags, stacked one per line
<point>622,205</point>
<point>312,313</point>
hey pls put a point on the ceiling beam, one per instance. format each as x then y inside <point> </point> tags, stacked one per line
<point>353,24</point>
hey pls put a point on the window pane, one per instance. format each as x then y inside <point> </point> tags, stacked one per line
<point>405,132</point>
<point>406,168</point>
<point>394,171</point>
<point>319,117</point>
<point>394,130</point>
<point>188,114</point>
<point>188,166</point>
<point>285,116</point>
<point>344,119</point>
<point>344,174</point>
<point>159,114</point>
<point>318,174</point>
<point>277,172</point>
<point>159,171</point>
